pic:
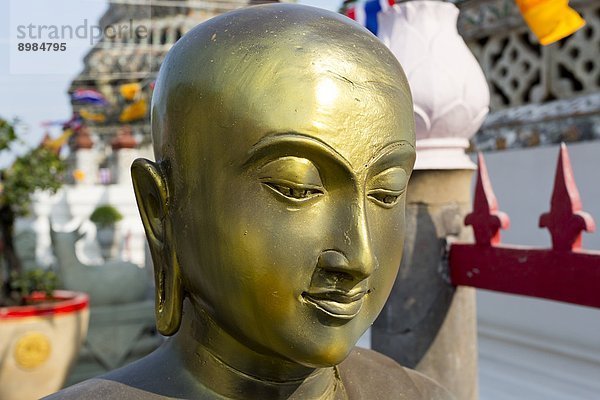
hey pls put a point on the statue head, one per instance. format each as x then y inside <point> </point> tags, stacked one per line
<point>284,140</point>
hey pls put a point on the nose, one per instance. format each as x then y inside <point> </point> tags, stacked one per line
<point>353,255</point>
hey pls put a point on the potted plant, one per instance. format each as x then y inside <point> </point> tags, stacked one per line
<point>38,168</point>
<point>41,328</point>
<point>105,217</point>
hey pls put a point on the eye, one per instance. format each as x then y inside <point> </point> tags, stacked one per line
<point>388,186</point>
<point>292,179</point>
<point>294,192</point>
<point>384,198</point>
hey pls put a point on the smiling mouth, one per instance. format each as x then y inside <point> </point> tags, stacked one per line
<point>336,303</point>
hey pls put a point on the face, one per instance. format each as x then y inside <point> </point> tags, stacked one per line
<point>288,217</point>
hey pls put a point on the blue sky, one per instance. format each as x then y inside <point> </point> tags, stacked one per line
<point>38,97</point>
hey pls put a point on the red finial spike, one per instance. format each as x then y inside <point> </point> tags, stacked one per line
<point>565,220</point>
<point>485,218</point>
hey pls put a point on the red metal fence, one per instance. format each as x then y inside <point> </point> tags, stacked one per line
<point>564,272</point>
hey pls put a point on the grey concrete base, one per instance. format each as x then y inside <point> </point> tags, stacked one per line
<point>427,324</point>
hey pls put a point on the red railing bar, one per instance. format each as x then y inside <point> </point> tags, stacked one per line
<point>564,272</point>
<point>571,277</point>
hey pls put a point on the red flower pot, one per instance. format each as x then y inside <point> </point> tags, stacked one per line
<point>39,342</point>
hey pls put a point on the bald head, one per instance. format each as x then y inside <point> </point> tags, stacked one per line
<point>281,132</point>
<point>235,67</point>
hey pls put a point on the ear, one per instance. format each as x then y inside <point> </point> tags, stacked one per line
<point>151,193</point>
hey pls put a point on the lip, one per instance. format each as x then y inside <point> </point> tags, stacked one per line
<point>336,303</point>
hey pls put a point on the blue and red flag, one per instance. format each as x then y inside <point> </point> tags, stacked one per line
<point>88,96</point>
<point>366,13</point>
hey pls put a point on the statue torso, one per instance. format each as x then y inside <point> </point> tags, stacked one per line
<point>365,374</point>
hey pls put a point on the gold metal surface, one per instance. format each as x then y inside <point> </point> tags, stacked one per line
<point>284,140</point>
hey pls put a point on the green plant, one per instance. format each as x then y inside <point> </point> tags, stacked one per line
<point>38,168</point>
<point>36,280</point>
<point>105,215</point>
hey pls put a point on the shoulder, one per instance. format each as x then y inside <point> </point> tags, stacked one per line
<point>124,383</point>
<point>429,388</point>
<point>99,388</point>
<point>153,377</point>
<point>367,374</point>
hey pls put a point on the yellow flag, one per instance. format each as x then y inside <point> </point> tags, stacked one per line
<point>129,90</point>
<point>55,145</point>
<point>92,116</point>
<point>134,111</point>
<point>550,20</point>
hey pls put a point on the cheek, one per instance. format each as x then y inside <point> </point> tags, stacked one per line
<point>267,241</point>
<point>386,228</point>
<point>271,253</point>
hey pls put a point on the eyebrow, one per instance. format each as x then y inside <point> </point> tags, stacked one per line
<point>294,139</point>
<point>392,152</point>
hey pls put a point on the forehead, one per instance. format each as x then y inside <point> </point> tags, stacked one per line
<point>355,117</point>
<point>228,84</point>
<point>353,109</point>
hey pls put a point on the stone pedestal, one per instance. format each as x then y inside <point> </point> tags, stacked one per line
<point>107,238</point>
<point>427,324</point>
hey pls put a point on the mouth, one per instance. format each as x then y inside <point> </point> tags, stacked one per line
<point>336,303</point>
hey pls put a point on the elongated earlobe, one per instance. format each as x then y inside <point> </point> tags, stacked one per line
<point>151,193</point>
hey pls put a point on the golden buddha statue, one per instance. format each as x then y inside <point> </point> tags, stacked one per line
<point>284,141</point>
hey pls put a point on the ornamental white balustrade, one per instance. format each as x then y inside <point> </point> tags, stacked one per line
<point>448,86</point>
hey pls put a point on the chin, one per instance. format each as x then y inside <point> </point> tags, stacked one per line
<point>326,356</point>
<point>330,344</point>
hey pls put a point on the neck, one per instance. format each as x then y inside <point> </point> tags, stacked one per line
<point>225,366</point>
